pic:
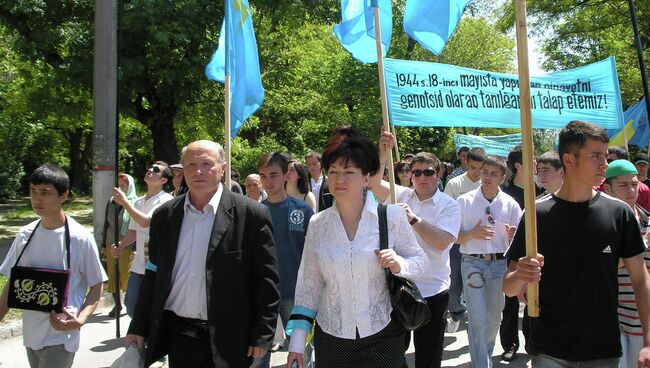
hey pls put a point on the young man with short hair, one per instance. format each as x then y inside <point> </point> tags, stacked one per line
<point>550,171</point>
<point>435,218</point>
<point>318,182</point>
<point>51,339</point>
<point>290,217</point>
<point>141,211</point>
<point>621,182</point>
<point>581,235</point>
<point>641,163</point>
<point>514,187</point>
<point>461,156</point>
<point>455,187</point>
<point>489,218</point>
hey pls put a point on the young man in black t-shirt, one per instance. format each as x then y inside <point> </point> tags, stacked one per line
<point>581,234</point>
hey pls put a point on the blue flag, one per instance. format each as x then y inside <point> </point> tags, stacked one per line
<point>356,32</point>
<point>636,127</point>
<point>242,63</point>
<point>433,22</point>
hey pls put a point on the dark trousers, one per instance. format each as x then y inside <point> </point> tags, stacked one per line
<point>429,339</point>
<point>509,330</point>
<point>188,342</point>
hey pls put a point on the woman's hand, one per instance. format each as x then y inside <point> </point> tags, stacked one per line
<point>388,259</point>
<point>294,360</point>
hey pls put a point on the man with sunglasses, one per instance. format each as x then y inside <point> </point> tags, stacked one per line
<point>489,218</point>
<point>156,177</point>
<point>435,218</point>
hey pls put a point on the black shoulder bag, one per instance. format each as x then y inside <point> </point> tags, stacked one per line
<point>410,308</point>
<point>40,289</point>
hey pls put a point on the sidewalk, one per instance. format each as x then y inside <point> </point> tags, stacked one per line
<point>99,347</point>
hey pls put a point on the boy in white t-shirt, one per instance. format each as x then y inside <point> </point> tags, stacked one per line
<point>52,338</point>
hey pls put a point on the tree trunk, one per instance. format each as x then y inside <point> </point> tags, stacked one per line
<point>76,163</point>
<point>164,140</point>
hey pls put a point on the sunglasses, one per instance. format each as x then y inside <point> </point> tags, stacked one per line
<point>427,172</point>
<point>155,169</point>
<point>405,170</point>
<point>488,212</point>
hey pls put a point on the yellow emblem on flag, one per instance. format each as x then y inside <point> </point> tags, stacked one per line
<point>241,8</point>
<point>619,139</point>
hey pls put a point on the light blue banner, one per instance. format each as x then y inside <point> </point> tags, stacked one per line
<point>493,145</point>
<point>440,95</point>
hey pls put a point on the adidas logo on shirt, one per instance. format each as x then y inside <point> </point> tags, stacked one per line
<point>607,249</point>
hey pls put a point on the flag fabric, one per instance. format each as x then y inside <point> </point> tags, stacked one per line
<point>356,32</point>
<point>636,127</point>
<point>242,63</point>
<point>432,22</point>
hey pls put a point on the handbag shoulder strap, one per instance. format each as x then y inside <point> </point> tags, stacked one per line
<point>383,226</point>
<point>67,242</point>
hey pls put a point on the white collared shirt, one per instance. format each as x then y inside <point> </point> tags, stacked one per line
<point>461,185</point>
<point>146,206</point>
<point>443,212</point>
<point>503,210</point>
<point>343,281</point>
<point>315,188</point>
<point>187,297</point>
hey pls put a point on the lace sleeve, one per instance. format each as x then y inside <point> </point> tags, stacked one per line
<point>310,279</point>
<point>412,259</point>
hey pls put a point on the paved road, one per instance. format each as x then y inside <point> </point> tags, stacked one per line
<point>99,347</point>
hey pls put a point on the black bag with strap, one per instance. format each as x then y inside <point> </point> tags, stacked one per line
<point>409,307</point>
<point>40,289</point>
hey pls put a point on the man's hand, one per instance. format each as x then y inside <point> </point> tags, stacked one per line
<point>410,215</point>
<point>136,340</point>
<point>483,232</point>
<point>644,357</point>
<point>388,259</point>
<point>119,197</point>
<point>255,352</point>
<point>115,251</point>
<point>510,231</point>
<point>294,357</point>
<point>65,321</point>
<point>386,143</point>
<point>529,269</point>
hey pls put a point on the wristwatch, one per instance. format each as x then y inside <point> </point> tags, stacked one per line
<point>414,221</point>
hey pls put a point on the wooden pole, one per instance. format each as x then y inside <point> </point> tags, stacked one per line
<point>384,102</point>
<point>397,158</point>
<point>226,130</point>
<point>528,152</point>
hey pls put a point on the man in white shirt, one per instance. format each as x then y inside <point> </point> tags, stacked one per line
<point>489,219</point>
<point>457,186</point>
<point>435,218</point>
<point>318,181</point>
<point>141,211</point>
<point>51,339</point>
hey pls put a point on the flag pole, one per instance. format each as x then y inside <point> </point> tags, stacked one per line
<point>226,128</point>
<point>384,103</point>
<point>527,143</point>
<point>639,52</point>
<point>397,158</point>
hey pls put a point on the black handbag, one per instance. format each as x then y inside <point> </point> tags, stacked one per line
<point>409,307</point>
<point>39,289</point>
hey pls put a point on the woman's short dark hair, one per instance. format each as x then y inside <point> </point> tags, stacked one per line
<point>360,150</point>
<point>51,174</point>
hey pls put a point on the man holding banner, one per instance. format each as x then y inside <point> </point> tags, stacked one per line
<point>581,236</point>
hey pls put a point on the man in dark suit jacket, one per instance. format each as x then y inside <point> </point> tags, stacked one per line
<point>210,294</point>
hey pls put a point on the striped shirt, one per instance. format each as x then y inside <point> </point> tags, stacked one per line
<point>628,318</point>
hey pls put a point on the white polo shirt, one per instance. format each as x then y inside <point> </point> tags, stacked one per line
<point>443,212</point>
<point>142,233</point>
<point>503,209</point>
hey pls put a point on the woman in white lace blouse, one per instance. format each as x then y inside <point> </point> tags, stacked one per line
<point>341,281</point>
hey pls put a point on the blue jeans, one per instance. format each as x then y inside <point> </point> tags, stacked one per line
<point>547,361</point>
<point>456,306</point>
<point>132,292</point>
<point>483,289</point>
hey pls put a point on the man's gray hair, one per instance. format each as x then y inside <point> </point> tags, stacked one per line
<point>208,144</point>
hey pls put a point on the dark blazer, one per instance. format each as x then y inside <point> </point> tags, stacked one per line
<point>325,198</point>
<point>242,280</point>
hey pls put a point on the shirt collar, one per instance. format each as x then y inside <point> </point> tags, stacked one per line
<point>369,206</point>
<point>479,194</point>
<point>434,198</point>
<point>213,204</point>
<point>154,197</point>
